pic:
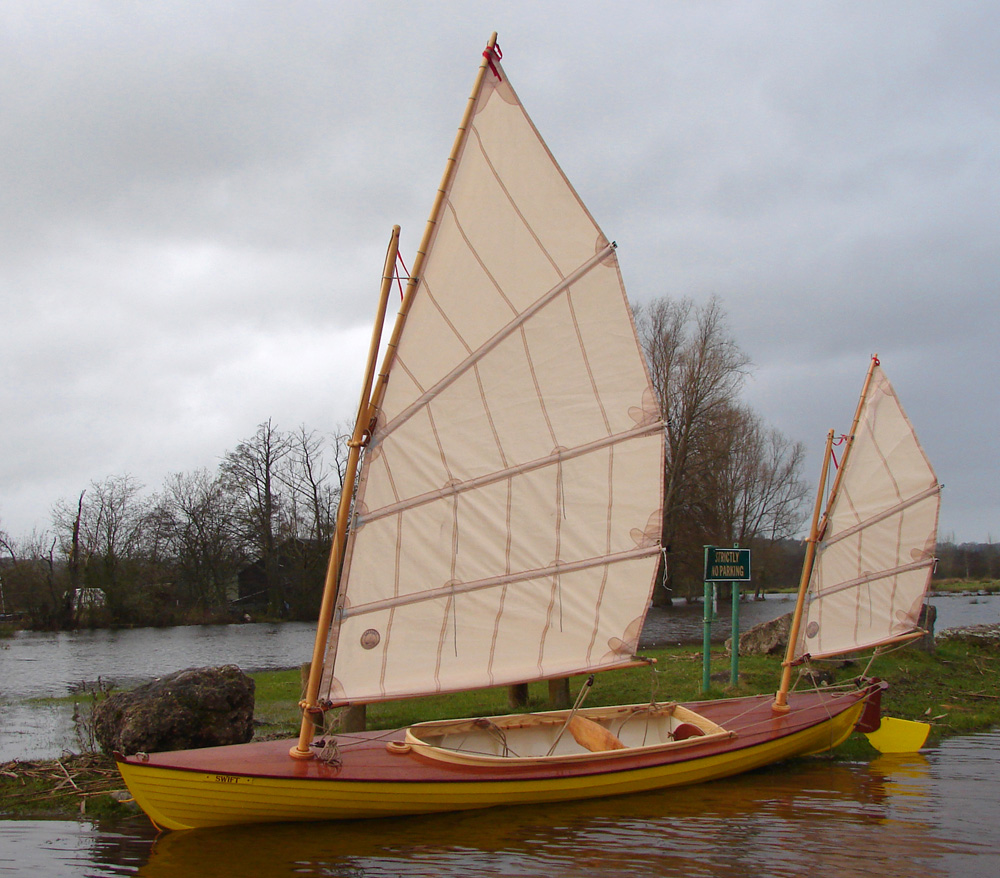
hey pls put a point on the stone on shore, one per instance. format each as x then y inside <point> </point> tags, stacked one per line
<point>198,707</point>
<point>771,638</point>
<point>980,635</point>
<point>767,638</point>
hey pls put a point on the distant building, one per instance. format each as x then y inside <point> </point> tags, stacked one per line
<point>85,599</point>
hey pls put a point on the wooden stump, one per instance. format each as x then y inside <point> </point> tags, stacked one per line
<point>353,718</point>
<point>559,693</point>
<point>517,696</point>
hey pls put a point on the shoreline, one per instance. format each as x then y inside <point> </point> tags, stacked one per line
<point>942,588</point>
<point>955,689</point>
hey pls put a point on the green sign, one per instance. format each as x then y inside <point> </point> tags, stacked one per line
<point>727,565</point>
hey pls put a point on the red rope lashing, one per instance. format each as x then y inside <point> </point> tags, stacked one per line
<point>839,441</point>
<point>489,54</point>
<point>406,271</point>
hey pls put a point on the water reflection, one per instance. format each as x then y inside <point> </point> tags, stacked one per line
<point>931,814</point>
<point>58,848</point>
<point>894,817</point>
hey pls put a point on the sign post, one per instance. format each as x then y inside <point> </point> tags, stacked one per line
<point>732,566</point>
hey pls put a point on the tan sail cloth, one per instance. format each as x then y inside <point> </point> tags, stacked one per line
<point>874,562</point>
<point>509,502</point>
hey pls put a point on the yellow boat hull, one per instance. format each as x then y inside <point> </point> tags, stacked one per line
<point>260,783</point>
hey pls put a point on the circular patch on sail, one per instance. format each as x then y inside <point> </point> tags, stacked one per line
<point>370,639</point>
<point>812,629</point>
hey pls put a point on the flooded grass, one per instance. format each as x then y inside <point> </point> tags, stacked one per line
<point>955,689</point>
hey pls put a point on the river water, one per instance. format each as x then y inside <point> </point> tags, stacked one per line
<point>931,814</point>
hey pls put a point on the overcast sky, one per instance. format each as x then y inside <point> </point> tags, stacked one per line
<point>195,199</point>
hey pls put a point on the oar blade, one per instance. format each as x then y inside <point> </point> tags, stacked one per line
<point>899,735</point>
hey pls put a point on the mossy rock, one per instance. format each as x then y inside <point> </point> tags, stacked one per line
<point>198,707</point>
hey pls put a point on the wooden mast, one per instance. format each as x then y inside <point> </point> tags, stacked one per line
<point>780,704</point>
<point>816,531</point>
<point>370,405</point>
<point>355,444</point>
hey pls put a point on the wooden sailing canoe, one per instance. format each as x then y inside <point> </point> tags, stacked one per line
<point>380,774</point>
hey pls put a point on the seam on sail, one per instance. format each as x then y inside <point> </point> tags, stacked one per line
<point>429,294</point>
<point>519,469</point>
<point>607,548</point>
<point>438,444</point>
<point>475,254</point>
<point>400,363</point>
<point>383,671</point>
<point>543,408</point>
<point>871,577</point>
<point>871,414</point>
<point>440,646</point>
<point>875,519</point>
<point>510,199</point>
<point>500,336</point>
<point>555,593</point>
<point>559,568</point>
<point>494,432</point>
<point>503,591</point>
<point>586,360</point>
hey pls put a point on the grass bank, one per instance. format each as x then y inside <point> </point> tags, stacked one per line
<point>955,689</point>
<point>965,586</point>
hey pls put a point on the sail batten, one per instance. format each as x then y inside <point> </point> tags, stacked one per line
<point>508,510</point>
<point>554,570</point>
<point>875,519</point>
<point>451,489</point>
<point>875,577</point>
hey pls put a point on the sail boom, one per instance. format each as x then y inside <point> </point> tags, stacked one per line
<point>505,332</point>
<point>897,640</point>
<point>560,456</point>
<point>556,569</point>
<point>626,662</point>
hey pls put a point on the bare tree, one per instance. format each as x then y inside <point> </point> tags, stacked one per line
<point>697,371</point>
<point>753,494</point>
<point>754,489</point>
<point>33,583</point>
<point>101,537</point>
<point>312,495</point>
<point>250,473</point>
<point>202,537</point>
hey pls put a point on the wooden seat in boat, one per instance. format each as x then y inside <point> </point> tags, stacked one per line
<point>592,736</point>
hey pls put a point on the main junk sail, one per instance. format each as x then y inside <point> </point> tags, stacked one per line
<point>876,555</point>
<point>509,504</point>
